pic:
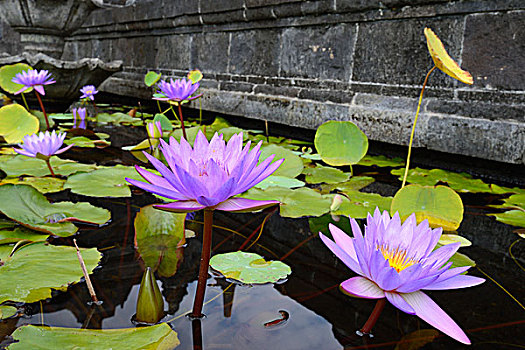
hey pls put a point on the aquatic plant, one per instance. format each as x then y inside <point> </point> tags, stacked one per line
<point>88,92</point>
<point>207,176</point>
<point>150,305</point>
<point>43,145</point>
<point>154,130</point>
<point>79,113</point>
<point>34,79</point>
<point>396,261</point>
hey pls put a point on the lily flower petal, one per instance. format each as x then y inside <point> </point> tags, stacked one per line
<point>363,288</point>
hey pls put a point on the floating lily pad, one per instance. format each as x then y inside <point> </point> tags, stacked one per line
<point>159,237</point>
<point>22,165</point>
<point>381,161</point>
<point>104,182</point>
<point>340,143</point>
<point>118,118</point>
<point>5,251</point>
<point>165,123</point>
<point>42,119</point>
<point>511,217</point>
<point>359,204</point>
<point>280,181</point>
<point>460,182</point>
<point>7,311</point>
<point>30,208</point>
<point>8,72</point>
<point>37,268</point>
<point>158,337</point>
<point>441,205</point>
<point>292,165</point>
<point>448,238</point>
<point>355,183</point>
<point>249,268</point>
<point>20,233</point>
<point>82,141</point>
<point>152,78</point>
<point>325,174</point>
<point>16,122</point>
<point>458,259</point>
<point>516,201</point>
<point>41,184</point>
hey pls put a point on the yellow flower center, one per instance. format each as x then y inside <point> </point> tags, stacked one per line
<point>397,258</point>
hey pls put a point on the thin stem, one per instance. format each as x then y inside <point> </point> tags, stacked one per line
<point>175,114</point>
<point>50,168</point>
<point>158,105</point>
<point>42,107</point>
<point>86,275</point>
<point>205,263</point>
<point>200,110</point>
<point>182,122</point>
<point>374,316</point>
<point>25,102</point>
<point>414,126</point>
<point>196,330</point>
<point>351,171</point>
<point>96,110</point>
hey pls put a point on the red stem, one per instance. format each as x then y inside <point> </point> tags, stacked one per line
<point>182,122</point>
<point>374,316</point>
<point>50,168</point>
<point>205,263</point>
<point>42,108</point>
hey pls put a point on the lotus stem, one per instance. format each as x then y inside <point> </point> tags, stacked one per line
<point>50,168</point>
<point>42,108</point>
<point>86,275</point>
<point>414,126</point>
<point>196,329</point>
<point>182,122</point>
<point>25,101</point>
<point>374,316</point>
<point>204,265</point>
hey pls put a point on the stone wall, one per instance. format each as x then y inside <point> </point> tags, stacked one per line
<point>305,62</point>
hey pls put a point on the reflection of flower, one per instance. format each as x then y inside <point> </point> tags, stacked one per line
<point>154,129</point>
<point>46,144</point>
<point>81,113</point>
<point>33,79</point>
<point>396,261</point>
<point>177,90</point>
<point>88,91</point>
<point>207,175</point>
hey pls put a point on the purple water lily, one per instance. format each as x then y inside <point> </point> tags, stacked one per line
<point>88,92</point>
<point>33,79</point>
<point>43,146</point>
<point>397,261</point>
<point>177,90</point>
<point>81,114</point>
<point>208,175</point>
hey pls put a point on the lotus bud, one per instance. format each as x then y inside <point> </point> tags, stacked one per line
<point>336,202</point>
<point>150,305</point>
<point>154,130</point>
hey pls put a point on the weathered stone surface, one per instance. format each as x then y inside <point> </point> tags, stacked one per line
<point>480,109</point>
<point>496,140</point>
<point>395,52</point>
<point>255,52</point>
<point>318,52</point>
<point>498,65</point>
<point>209,51</point>
<point>180,7</point>
<point>258,3</point>
<point>173,52</point>
<point>207,6</point>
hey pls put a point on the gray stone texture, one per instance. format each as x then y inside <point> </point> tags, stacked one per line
<point>301,63</point>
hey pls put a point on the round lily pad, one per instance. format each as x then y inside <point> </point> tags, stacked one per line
<point>340,143</point>
<point>7,311</point>
<point>359,204</point>
<point>325,174</point>
<point>249,268</point>
<point>151,78</point>
<point>41,184</point>
<point>280,181</point>
<point>8,72</point>
<point>292,165</point>
<point>16,122</point>
<point>22,165</point>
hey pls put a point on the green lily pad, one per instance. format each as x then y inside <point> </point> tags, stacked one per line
<point>292,165</point>
<point>516,201</point>
<point>382,161</point>
<point>340,143</point>
<point>22,165</point>
<point>104,182</point>
<point>151,78</point>
<point>325,174</point>
<point>458,259</point>
<point>449,238</point>
<point>82,141</point>
<point>219,123</point>
<point>5,251</point>
<point>20,233</point>
<point>355,183</point>
<point>16,122</point>
<point>8,72</point>
<point>158,337</point>
<point>159,237</point>
<point>165,123</point>
<point>118,118</point>
<point>228,132</point>
<point>358,205</point>
<point>30,208</point>
<point>42,119</point>
<point>37,268</point>
<point>460,182</point>
<point>7,311</point>
<point>249,268</point>
<point>195,76</point>
<point>280,181</point>
<point>511,217</point>
<point>441,205</point>
<point>41,184</point>
<point>61,116</point>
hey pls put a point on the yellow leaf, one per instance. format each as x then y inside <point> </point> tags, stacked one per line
<point>443,61</point>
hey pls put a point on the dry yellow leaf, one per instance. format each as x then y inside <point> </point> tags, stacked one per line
<point>443,61</point>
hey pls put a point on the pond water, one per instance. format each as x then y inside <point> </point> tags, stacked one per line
<point>319,315</point>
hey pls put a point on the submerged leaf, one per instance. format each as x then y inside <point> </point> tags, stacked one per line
<point>249,268</point>
<point>158,337</point>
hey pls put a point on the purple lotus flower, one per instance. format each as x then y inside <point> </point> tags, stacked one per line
<point>154,130</point>
<point>177,91</point>
<point>42,145</point>
<point>397,261</point>
<point>81,114</point>
<point>88,91</point>
<point>208,175</point>
<point>33,79</point>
